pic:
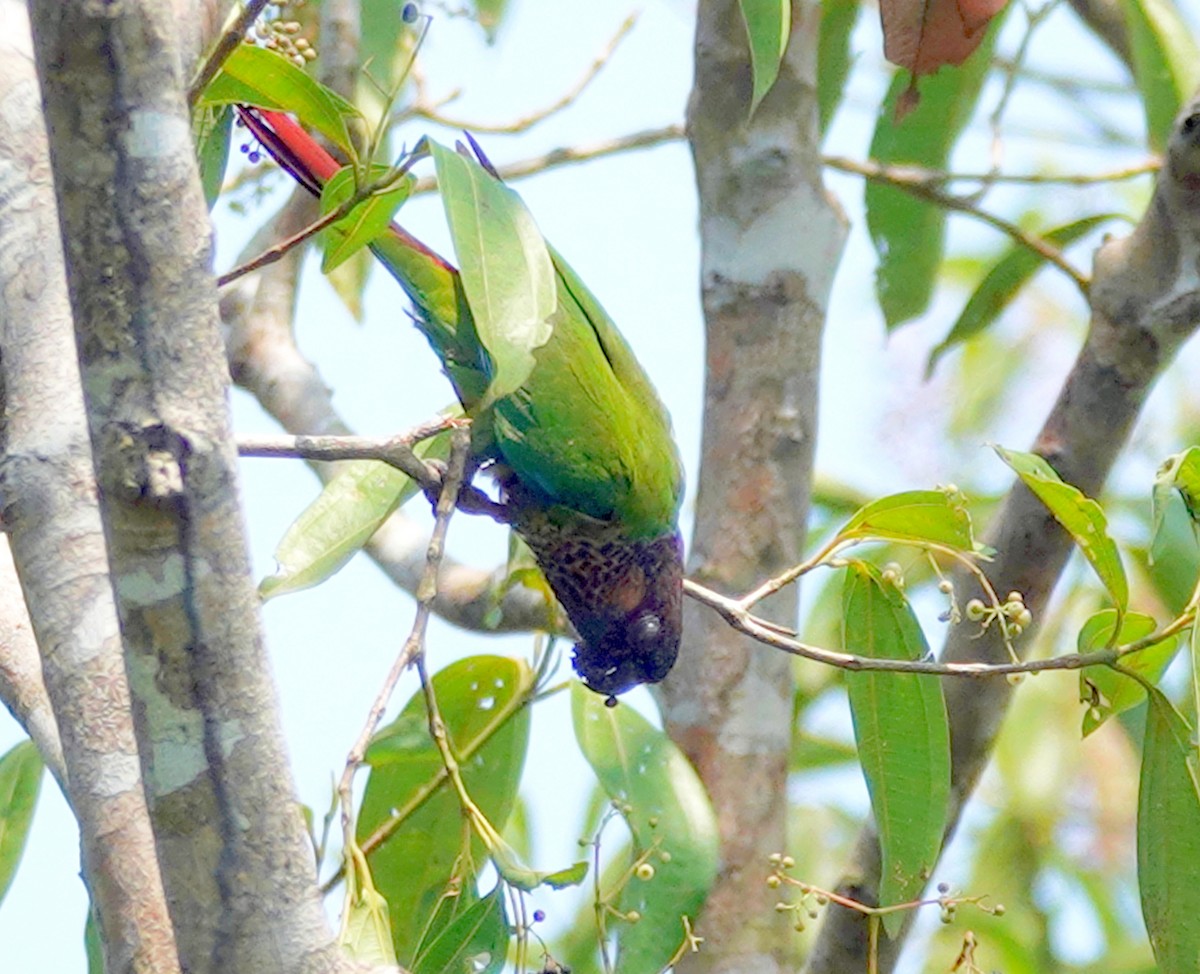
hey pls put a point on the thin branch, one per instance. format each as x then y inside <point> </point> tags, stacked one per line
<point>735,613</point>
<point>899,178</point>
<point>909,175</point>
<point>414,645</point>
<point>570,154</point>
<point>231,36</point>
<point>431,112</point>
<point>396,451</point>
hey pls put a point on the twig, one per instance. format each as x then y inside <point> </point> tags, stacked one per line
<point>415,643</point>
<point>396,451</point>
<point>524,123</point>
<point>386,182</point>
<point>735,613</point>
<point>901,178</point>
<point>566,155</point>
<point>236,26</point>
<point>277,251</point>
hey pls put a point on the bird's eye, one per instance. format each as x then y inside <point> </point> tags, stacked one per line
<point>646,629</point>
<point>1190,123</point>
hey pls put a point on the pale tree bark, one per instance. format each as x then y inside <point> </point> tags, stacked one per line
<point>770,241</point>
<point>235,860</point>
<point>1145,302</point>
<point>53,520</point>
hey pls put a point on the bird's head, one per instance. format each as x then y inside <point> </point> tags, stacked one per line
<point>630,627</point>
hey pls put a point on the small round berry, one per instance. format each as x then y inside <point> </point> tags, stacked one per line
<point>539,916</point>
<point>644,871</point>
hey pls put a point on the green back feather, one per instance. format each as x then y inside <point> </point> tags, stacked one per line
<point>586,428</point>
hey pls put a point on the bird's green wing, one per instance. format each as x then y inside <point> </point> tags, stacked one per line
<point>587,427</point>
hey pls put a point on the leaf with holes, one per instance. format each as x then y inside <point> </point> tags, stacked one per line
<point>430,852</point>
<point>669,815</point>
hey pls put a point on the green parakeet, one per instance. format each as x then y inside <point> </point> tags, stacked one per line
<point>582,450</point>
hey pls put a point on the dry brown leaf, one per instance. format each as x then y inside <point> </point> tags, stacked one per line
<point>922,35</point>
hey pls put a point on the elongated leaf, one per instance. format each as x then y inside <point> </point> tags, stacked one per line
<point>915,516</point>
<point>92,945</point>
<point>432,851</point>
<point>1182,473</point>
<point>838,18</point>
<point>902,734</point>
<point>1168,831</point>
<point>1118,693</point>
<point>768,23</point>
<point>1081,516</point>
<point>347,512</point>
<point>361,225</point>
<point>667,811</point>
<point>368,936</point>
<point>20,782</point>
<point>1166,63</point>
<point>386,41</point>
<point>212,128</point>
<point>475,941</point>
<point>507,273</point>
<point>255,76</point>
<point>1004,282</point>
<point>908,233</point>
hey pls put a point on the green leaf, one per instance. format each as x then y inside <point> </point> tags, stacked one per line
<point>476,941</point>
<point>516,873</point>
<point>1172,561</point>
<point>349,280</point>
<point>253,75</point>
<point>909,234</point>
<point>1081,516</point>
<point>347,512</point>
<point>213,131</point>
<point>367,937</point>
<point>20,781</point>
<point>838,18</point>
<point>365,222</point>
<point>902,734</point>
<point>433,852</point>
<point>506,270</point>
<point>385,42</point>
<point>1118,692</point>
<point>667,812</point>
<point>1166,63</point>
<point>1182,473</point>
<point>490,14</point>
<point>1168,832</point>
<point>92,944</point>
<point>916,517</point>
<point>1004,282</point>
<point>768,23</point>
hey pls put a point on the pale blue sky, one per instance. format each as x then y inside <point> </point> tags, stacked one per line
<point>628,225</point>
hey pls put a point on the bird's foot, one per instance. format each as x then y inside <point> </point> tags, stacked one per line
<point>471,500</point>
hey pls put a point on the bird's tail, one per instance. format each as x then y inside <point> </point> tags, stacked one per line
<point>431,282</point>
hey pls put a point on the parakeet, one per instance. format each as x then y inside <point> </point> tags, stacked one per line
<point>582,450</point>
